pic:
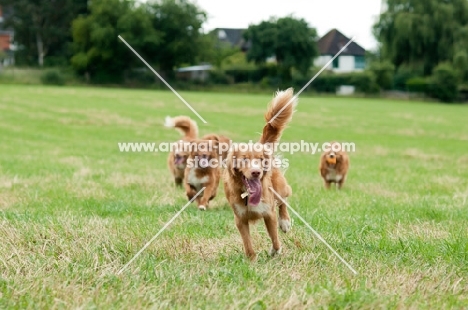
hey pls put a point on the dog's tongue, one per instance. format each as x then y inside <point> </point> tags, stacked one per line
<point>179,161</point>
<point>255,191</point>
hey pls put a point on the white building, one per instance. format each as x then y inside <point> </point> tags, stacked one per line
<point>352,59</point>
<point>200,72</point>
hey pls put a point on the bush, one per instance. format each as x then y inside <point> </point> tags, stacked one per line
<point>463,92</point>
<point>220,77</point>
<point>384,73</point>
<point>418,85</point>
<point>403,75</point>
<point>244,75</point>
<point>52,77</point>
<point>460,61</point>
<point>364,82</point>
<point>141,76</point>
<point>444,83</point>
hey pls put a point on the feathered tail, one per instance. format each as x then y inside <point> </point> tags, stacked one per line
<point>184,124</point>
<point>278,115</point>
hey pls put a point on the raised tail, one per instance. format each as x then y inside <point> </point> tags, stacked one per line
<point>184,124</point>
<point>278,115</point>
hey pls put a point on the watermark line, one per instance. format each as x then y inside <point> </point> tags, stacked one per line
<point>164,81</point>
<point>315,232</point>
<point>160,231</point>
<point>223,147</point>
<point>312,79</point>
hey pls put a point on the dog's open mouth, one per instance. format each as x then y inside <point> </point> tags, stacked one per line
<point>254,189</point>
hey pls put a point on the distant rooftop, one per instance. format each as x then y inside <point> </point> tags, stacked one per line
<point>233,36</point>
<point>333,42</point>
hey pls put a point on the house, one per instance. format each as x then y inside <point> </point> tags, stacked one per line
<point>200,73</point>
<point>352,59</point>
<point>6,46</point>
<point>233,37</point>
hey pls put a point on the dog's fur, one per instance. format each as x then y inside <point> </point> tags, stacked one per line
<point>197,177</point>
<point>239,180</point>
<point>177,159</point>
<point>334,173</point>
<point>220,139</point>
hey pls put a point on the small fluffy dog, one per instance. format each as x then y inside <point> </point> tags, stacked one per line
<point>177,159</point>
<point>334,166</point>
<point>203,170</point>
<point>247,179</point>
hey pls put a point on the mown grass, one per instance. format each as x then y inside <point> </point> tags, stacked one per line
<point>74,210</point>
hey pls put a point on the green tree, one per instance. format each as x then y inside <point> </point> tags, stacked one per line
<point>165,33</point>
<point>422,33</point>
<point>180,23</point>
<point>99,54</point>
<point>42,27</point>
<point>291,41</point>
<point>214,51</point>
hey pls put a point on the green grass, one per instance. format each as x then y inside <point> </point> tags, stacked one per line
<point>74,210</point>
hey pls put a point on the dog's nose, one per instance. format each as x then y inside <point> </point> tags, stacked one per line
<point>256,173</point>
<point>332,155</point>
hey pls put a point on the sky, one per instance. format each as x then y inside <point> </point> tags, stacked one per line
<point>351,17</point>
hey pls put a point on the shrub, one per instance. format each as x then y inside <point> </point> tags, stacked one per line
<point>404,74</point>
<point>364,82</point>
<point>384,73</point>
<point>327,83</point>
<point>219,77</point>
<point>52,77</point>
<point>246,74</point>
<point>444,83</point>
<point>460,61</point>
<point>418,85</point>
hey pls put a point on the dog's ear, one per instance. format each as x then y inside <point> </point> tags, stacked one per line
<point>215,145</point>
<point>231,164</point>
<point>211,136</point>
<point>268,164</point>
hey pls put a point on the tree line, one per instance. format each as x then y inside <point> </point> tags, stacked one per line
<point>423,44</point>
<point>166,33</point>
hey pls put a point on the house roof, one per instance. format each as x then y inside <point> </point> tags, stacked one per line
<point>233,36</point>
<point>333,42</point>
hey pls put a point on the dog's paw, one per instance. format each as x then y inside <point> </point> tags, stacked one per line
<point>274,252</point>
<point>201,208</point>
<point>285,225</point>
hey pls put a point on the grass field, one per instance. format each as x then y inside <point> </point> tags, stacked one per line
<point>74,210</point>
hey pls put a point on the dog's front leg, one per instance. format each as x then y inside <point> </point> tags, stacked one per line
<point>271,223</point>
<point>339,185</point>
<point>208,194</point>
<point>244,230</point>
<point>189,191</point>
